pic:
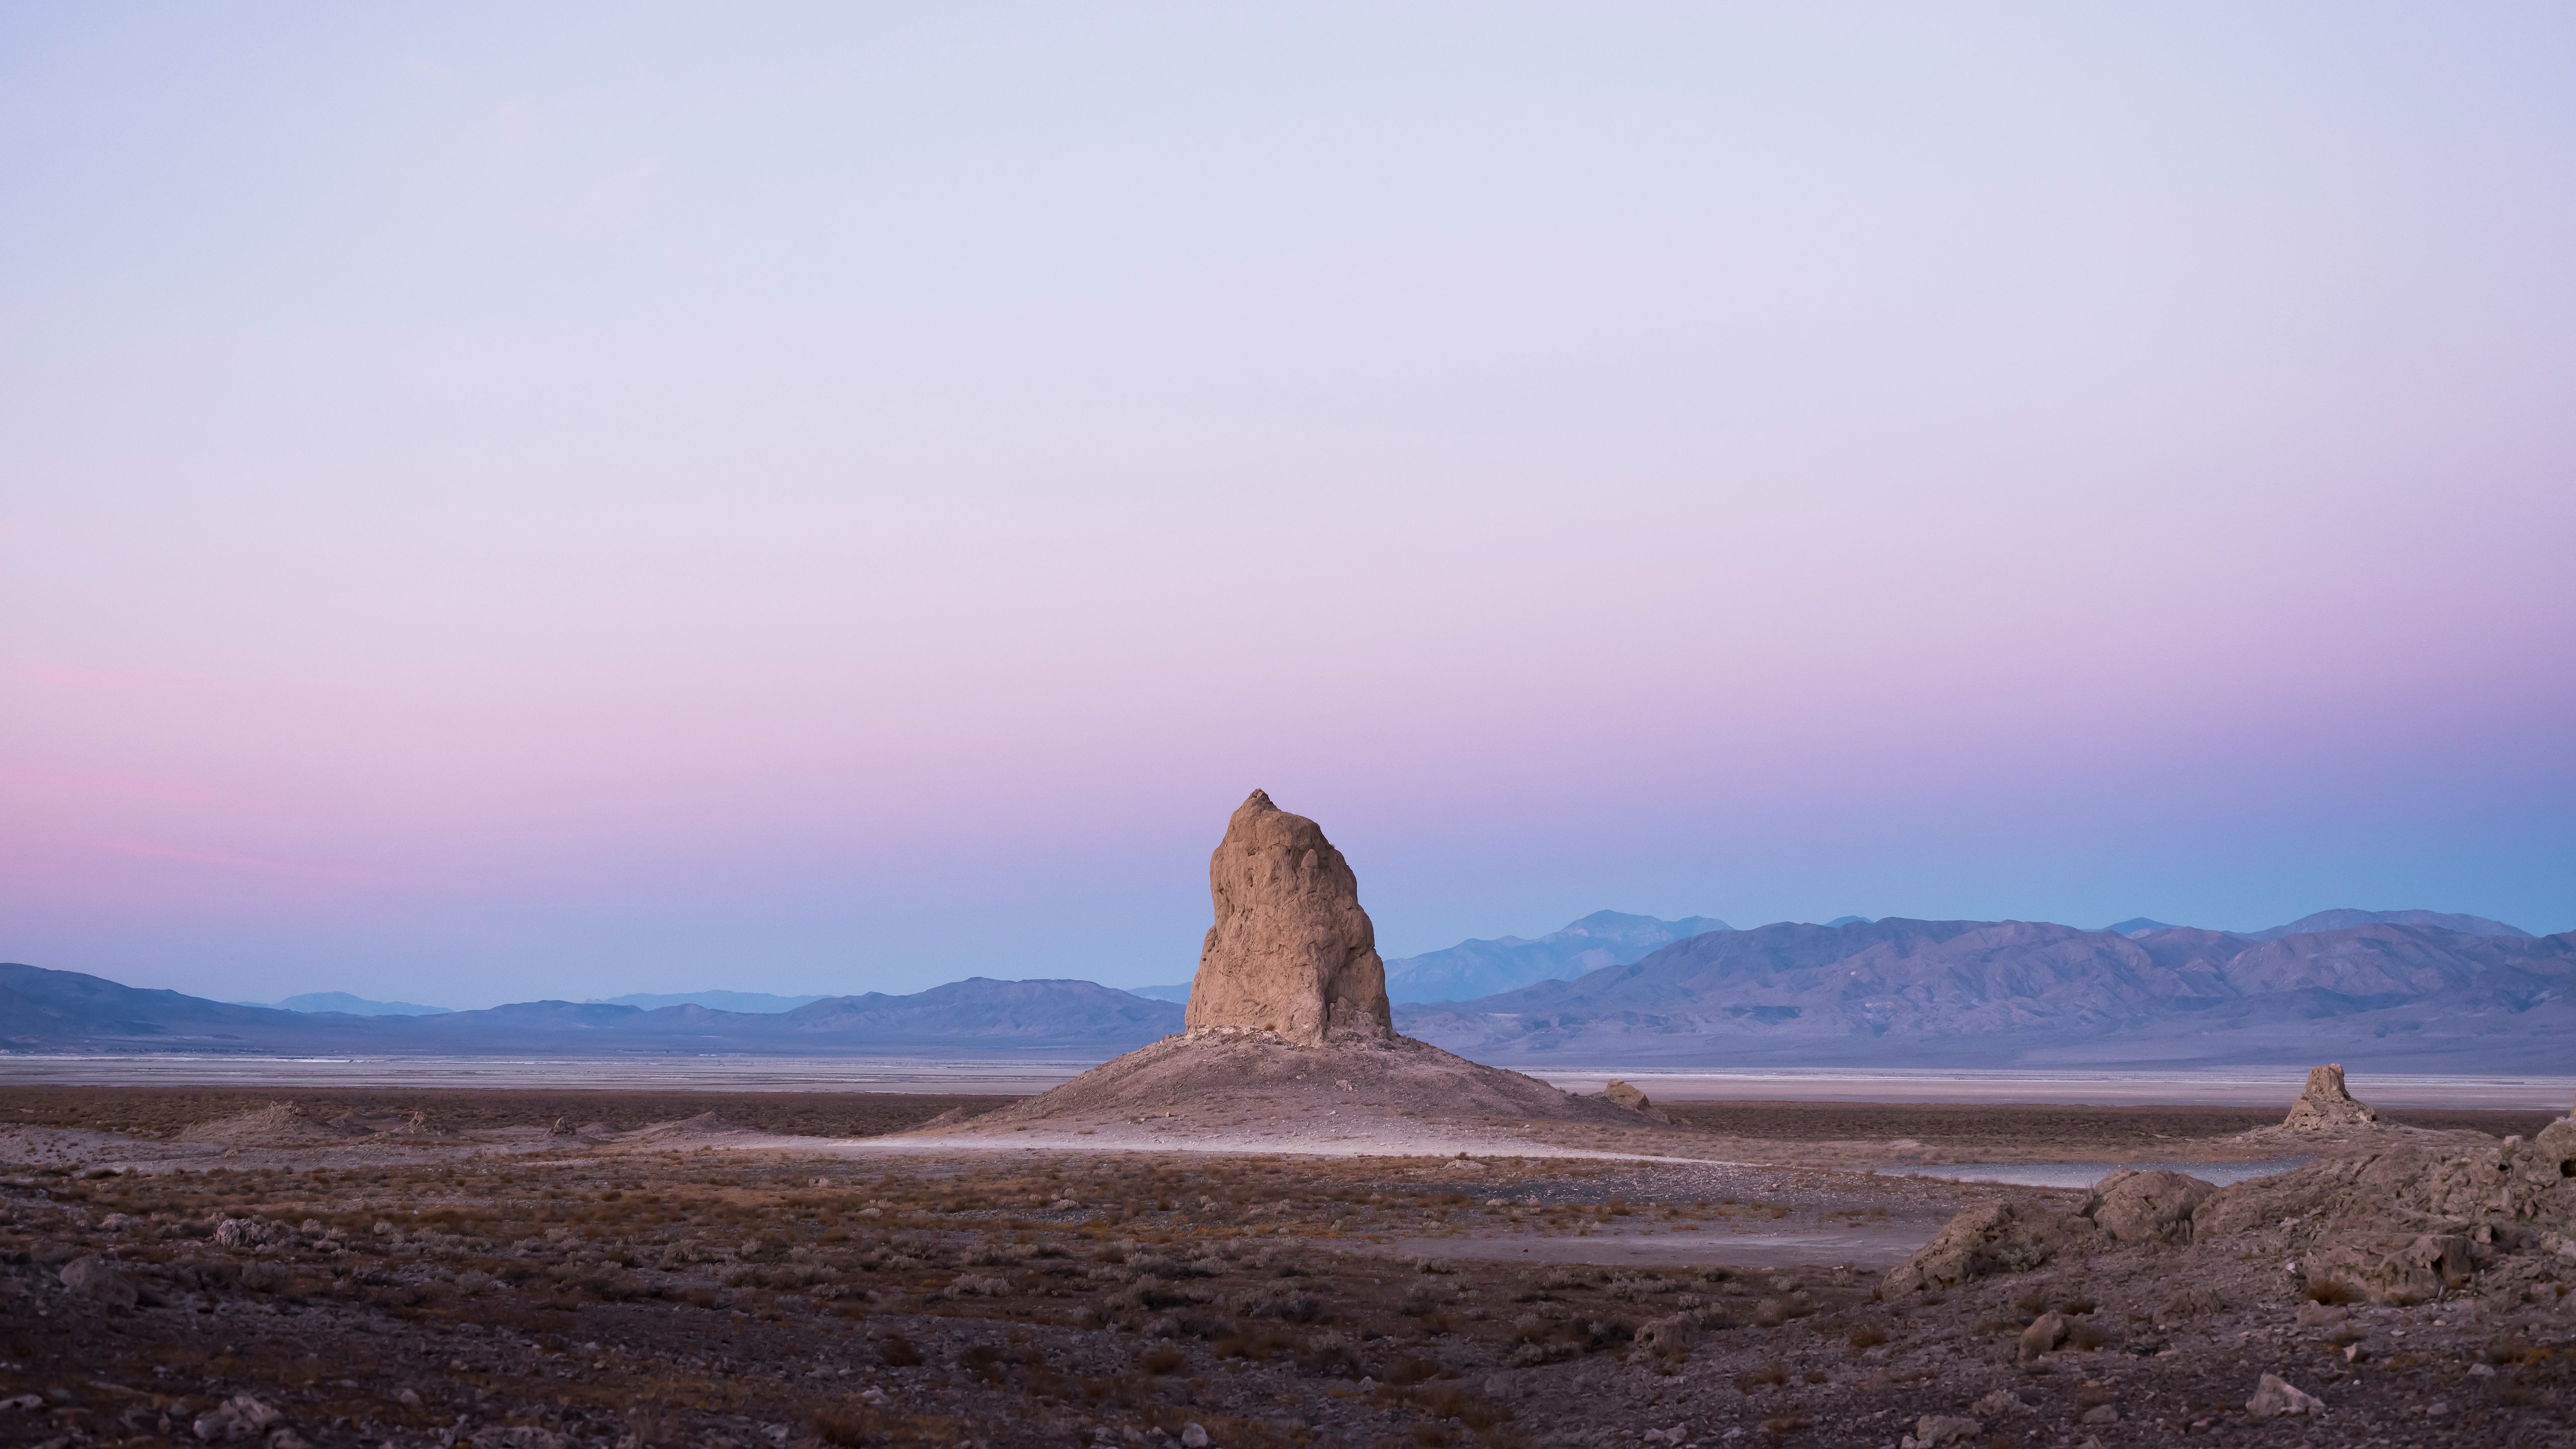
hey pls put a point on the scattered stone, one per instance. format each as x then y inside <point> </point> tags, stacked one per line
<point>239,1417</point>
<point>92,1278</point>
<point>1193,1436</point>
<point>1936,1429</point>
<point>1291,951</point>
<point>2325,1104</point>
<point>2000,1402</point>
<point>2272,1396</point>
<point>2100,1414</point>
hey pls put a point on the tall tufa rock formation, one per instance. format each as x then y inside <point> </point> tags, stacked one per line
<point>2326,1104</point>
<point>1291,951</point>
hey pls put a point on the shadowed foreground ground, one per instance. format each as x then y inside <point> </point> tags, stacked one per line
<point>524,1287</point>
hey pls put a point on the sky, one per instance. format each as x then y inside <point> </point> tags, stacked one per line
<point>505,501</point>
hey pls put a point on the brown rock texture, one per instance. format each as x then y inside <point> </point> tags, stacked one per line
<point>2326,1104</point>
<point>1995,1237</point>
<point>2148,1207</point>
<point>1624,1095</point>
<point>2415,1218</point>
<point>91,1277</point>
<point>1291,952</point>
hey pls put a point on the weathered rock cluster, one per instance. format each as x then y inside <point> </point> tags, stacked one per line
<point>1291,952</point>
<point>2398,1224</point>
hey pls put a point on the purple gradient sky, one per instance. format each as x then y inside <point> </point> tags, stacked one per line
<point>498,504</point>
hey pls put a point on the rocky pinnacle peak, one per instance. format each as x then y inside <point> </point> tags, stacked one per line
<point>2327,1103</point>
<point>1291,951</point>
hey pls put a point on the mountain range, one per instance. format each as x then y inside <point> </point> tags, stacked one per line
<point>750,1001</point>
<point>2378,988</point>
<point>2023,993</point>
<point>1480,968</point>
<point>43,1010</point>
<point>348,1005</point>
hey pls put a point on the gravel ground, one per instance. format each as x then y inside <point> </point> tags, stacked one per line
<point>514,1285</point>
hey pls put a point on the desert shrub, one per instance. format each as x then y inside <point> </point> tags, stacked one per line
<point>1867,1336</point>
<point>2192,1303</point>
<point>1608,1333</point>
<point>1162,1359</point>
<point>1328,1355</point>
<point>897,1351</point>
<point>842,1429</point>
<point>2332,1290</point>
<point>1754,1378</point>
<point>1254,1344</point>
<point>1277,1303</point>
<point>1452,1401</point>
<point>1148,1293</point>
<point>981,1360</point>
<point>1410,1370</point>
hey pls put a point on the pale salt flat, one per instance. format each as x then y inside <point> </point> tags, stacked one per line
<point>1867,1247</point>
<point>2213,1086</point>
<point>2085,1174</point>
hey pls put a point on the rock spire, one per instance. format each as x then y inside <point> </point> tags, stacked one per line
<point>1291,951</point>
<point>2326,1103</point>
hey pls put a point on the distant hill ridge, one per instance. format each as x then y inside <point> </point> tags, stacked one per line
<point>346,1004</point>
<point>2459,992</point>
<point>66,1010</point>
<point>2341,920</point>
<point>2034,994</point>
<point>1481,968</point>
<point>746,1001</point>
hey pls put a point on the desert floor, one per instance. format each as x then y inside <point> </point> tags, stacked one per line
<point>550,1267</point>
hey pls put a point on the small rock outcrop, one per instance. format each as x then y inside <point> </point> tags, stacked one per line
<point>2274,1396</point>
<point>1291,952</point>
<point>1621,1094</point>
<point>92,1277</point>
<point>2326,1105</point>
<point>2148,1207</point>
<point>2043,1336</point>
<point>1629,1098</point>
<point>1990,1238</point>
